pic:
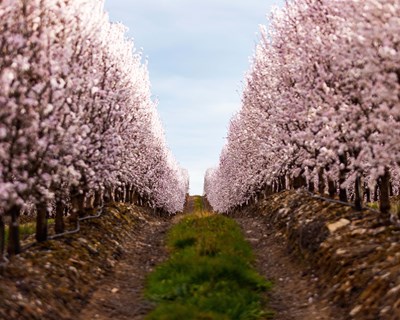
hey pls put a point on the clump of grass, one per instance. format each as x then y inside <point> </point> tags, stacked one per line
<point>394,206</point>
<point>25,230</point>
<point>209,274</point>
<point>373,205</point>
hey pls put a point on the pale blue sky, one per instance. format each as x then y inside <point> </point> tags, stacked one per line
<point>198,53</point>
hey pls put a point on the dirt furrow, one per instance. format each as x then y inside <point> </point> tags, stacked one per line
<point>295,295</point>
<point>120,296</point>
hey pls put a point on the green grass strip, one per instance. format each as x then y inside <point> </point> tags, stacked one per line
<point>209,274</point>
<point>198,203</point>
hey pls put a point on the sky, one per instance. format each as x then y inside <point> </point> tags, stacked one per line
<point>198,53</point>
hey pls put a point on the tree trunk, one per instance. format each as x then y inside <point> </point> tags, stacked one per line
<point>384,201</point>
<point>135,199</point>
<point>108,195</point>
<point>276,186</point>
<point>391,192</point>
<point>358,193</point>
<point>127,193</point>
<point>77,206</point>
<point>321,181</point>
<point>41,222</point>
<point>118,196</point>
<point>2,237</point>
<point>343,194</point>
<point>311,186</point>
<point>290,183</point>
<point>14,245</point>
<point>271,189</point>
<point>367,193</point>
<point>89,201</point>
<point>282,183</point>
<point>331,188</point>
<point>376,192</point>
<point>299,181</point>
<point>97,203</point>
<point>59,218</point>
<point>342,178</point>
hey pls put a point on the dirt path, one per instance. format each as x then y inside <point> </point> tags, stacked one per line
<point>295,294</point>
<point>189,205</point>
<point>120,296</point>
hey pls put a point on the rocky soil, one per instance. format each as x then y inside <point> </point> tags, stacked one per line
<point>347,258</point>
<point>121,295</point>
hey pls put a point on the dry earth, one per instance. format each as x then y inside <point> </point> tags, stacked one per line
<point>349,257</point>
<point>120,296</point>
<point>57,279</point>
<point>295,294</point>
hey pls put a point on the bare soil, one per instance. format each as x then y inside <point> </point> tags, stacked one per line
<point>120,296</point>
<point>96,273</point>
<point>295,294</point>
<point>350,257</point>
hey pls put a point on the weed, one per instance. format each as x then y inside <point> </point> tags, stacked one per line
<point>26,229</point>
<point>394,206</point>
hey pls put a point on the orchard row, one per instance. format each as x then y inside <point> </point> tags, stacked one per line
<point>320,106</point>
<point>77,121</point>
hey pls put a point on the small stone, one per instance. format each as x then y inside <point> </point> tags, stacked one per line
<point>385,310</point>
<point>111,262</point>
<point>355,310</point>
<point>92,250</point>
<point>82,240</point>
<point>114,290</point>
<point>73,269</point>
<point>339,252</point>
<point>377,230</point>
<point>394,290</point>
<point>337,225</point>
<point>358,231</point>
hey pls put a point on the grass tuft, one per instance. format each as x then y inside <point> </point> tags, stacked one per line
<point>25,230</point>
<point>394,206</point>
